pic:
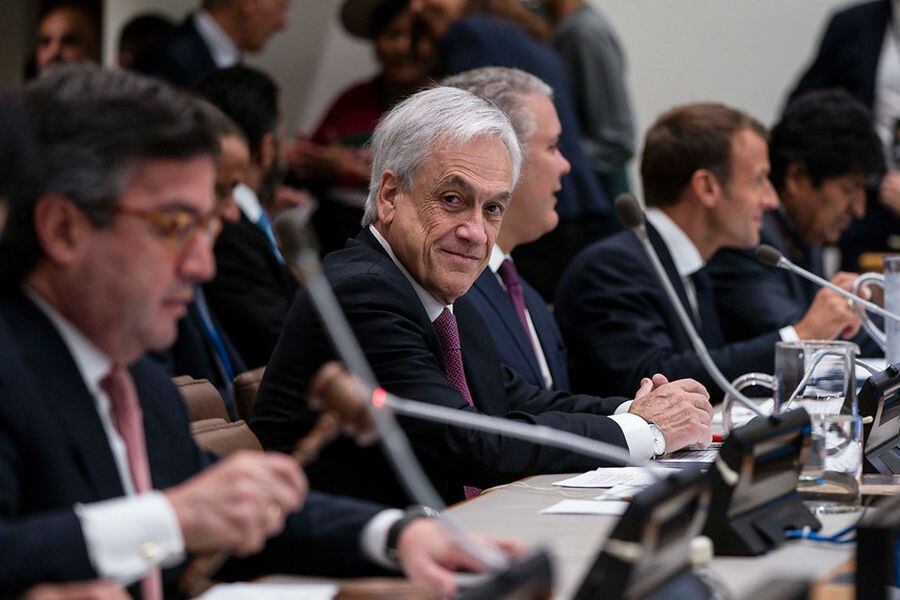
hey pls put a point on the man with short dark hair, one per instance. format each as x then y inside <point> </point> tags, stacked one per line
<point>214,37</point>
<point>97,457</point>
<point>705,177</point>
<point>445,163</point>
<point>253,287</point>
<point>823,152</point>
<point>66,33</point>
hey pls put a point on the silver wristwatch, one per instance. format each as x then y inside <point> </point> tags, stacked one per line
<point>659,440</point>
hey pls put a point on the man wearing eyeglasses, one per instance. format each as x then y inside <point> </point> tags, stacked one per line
<point>99,477</point>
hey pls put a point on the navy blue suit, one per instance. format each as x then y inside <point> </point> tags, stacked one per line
<point>54,453</point>
<point>182,58</point>
<point>513,342</point>
<point>404,350</point>
<point>753,299</point>
<point>848,58</point>
<point>620,327</point>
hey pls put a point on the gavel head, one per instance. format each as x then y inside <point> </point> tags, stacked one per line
<point>336,390</point>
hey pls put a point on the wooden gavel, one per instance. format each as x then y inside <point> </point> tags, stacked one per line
<point>341,398</point>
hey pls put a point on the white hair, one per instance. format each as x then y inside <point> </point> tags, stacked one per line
<point>508,89</point>
<point>407,134</point>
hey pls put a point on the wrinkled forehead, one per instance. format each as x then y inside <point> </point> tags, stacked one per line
<point>481,159</point>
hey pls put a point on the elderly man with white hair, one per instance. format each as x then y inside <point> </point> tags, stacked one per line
<point>445,163</point>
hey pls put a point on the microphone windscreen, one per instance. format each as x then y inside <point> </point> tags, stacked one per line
<point>629,211</point>
<point>290,230</point>
<point>768,255</point>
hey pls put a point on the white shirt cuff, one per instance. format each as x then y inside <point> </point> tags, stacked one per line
<point>788,334</point>
<point>623,408</point>
<point>637,433</point>
<point>127,537</point>
<point>374,536</point>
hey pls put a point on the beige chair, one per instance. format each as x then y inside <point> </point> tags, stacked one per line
<point>222,438</point>
<point>245,387</point>
<point>202,399</point>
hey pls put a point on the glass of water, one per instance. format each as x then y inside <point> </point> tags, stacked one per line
<point>819,376</point>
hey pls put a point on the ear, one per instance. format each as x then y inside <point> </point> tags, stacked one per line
<point>388,198</point>
<point>61,228</point>
<point>797,182</point>
<point>706,187</point>
<point>268,150</point>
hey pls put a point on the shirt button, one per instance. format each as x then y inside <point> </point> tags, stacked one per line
<point>148,550</point>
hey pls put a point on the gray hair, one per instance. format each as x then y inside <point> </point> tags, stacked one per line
<point>508,89</point>
<point>408,133</point>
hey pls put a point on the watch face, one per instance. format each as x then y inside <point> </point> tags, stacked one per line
<point>659,441</point>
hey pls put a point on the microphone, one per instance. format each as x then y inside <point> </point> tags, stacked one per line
<point>771,256</point>
<point>632,217</point>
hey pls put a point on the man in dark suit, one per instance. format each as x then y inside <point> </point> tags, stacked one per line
<point>705,177</point>
<point>253,287</point>
<point>522,327</point>
<point>445,163</point>
<point>468,39</point>
<point>96,453</point>
<point>215,37</point>
<point>822,152</point>
<point>857,53</point>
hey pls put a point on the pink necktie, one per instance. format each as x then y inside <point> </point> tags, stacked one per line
<point>128,419</point>
<point>451,352</point>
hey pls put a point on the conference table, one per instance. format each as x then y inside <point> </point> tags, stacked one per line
<point>574,540</point>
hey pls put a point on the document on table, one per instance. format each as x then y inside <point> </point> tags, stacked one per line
<point>613,508</point>
<point>271,591</point>
<point>607,477</point>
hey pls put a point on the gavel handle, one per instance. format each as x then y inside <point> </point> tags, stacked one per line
<point>197,576</point>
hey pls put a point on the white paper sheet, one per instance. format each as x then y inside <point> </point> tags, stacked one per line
<point>607,477</point>
<point>586,507</point>
<point>271,591</point>
<point>621,492</point>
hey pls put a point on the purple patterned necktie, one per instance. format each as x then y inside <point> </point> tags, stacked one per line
<point>510,277</point>
<point>451,352</point>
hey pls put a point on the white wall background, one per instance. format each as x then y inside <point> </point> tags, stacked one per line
<point>742,52</point>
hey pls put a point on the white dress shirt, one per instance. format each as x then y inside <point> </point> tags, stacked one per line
<point>126,537</point>
<point>636,430</point>
<point>224,53</point>
<point>688,261</point>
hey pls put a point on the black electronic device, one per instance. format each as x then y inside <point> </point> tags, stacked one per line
<point>647,555</point>
<point>879,398</point>
<point>876,551</point>
<point>754,485</point>
<point>528,579</point>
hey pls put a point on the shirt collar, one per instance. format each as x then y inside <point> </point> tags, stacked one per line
<point>431,304</point>
<point>497,258</point>
<point>247,201</point>
<point>684,253</point>
<point>224,53</point>
<point>92,363</point>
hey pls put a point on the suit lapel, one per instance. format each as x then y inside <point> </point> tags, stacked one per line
<point>479,359</point>
<point>57,379</point>
<point>669,265</point>
<point>488,286</point>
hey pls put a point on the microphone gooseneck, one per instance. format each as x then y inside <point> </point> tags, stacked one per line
<point>632,216</point>
<point>772,257</point>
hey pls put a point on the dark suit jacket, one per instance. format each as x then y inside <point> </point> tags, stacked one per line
<point>482,41</point>
<point>182,59</point>
<point>847,58</point>
<point>620,327</point>
<point>753,298</point>
<point>54,454</point>
<point>403,348</point>
<point>252,291</point>
<point>513,343</point>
